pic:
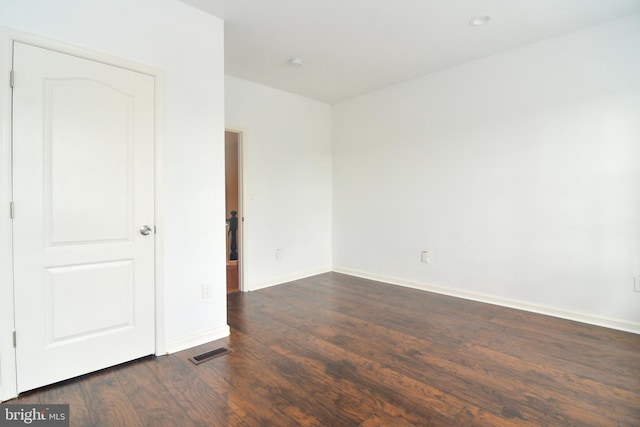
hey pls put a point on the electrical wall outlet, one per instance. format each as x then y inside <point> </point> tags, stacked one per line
<point>425,257</point>
<point>206,290</point>
<point>636,283</point>
<point>279,254</point>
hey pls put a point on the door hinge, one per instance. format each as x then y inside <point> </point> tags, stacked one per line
<point>14,339</point>
<point>11,210</point>
<point>155,230</point>
<point>11,74</point>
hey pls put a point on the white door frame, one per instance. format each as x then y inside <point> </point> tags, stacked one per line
<point>8,384</point>
<point>241,205</point>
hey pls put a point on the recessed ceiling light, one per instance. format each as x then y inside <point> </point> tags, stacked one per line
<point>296,62</point>
<point>476,21</point>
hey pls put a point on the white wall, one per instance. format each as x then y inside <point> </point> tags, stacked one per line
<point>286,147</point>
<point>519,172</point>
<point>187,46</point>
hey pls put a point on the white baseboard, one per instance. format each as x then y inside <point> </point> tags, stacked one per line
<point>198,339</point>
<point>621,325</point>
<point>285,279</point>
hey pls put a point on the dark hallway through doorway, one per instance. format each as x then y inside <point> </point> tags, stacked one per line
<point>232,212</point>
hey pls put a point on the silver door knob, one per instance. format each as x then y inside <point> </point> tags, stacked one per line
<point>145,230</point>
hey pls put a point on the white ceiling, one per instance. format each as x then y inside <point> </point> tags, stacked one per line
<point>351,47</point>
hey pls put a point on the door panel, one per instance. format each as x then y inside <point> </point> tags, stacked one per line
<point>73,293</point>
<point>83,187</point>
<point>106,170</point>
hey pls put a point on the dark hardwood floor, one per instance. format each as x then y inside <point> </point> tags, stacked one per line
<point>334,350</point>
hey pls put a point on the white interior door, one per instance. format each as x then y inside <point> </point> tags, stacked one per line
<point>83,159</point>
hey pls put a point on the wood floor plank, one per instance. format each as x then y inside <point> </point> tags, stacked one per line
<point>415,361</point>
<point>67,392</point>
<point>206,402</point>
<point>424,399</point>
<point>335,350</point>
<point>595,408</point>
<point>145,390</point>
<point>107,404</point>
<point>494,372</point>
<point>283,387</point>
<point>403,360</point>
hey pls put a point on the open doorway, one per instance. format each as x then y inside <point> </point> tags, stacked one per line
<point>233,206</point>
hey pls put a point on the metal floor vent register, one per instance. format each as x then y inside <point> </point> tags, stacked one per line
<point>201,358</point>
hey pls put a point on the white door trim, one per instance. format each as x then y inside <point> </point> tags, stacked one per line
<point>8,385</point>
